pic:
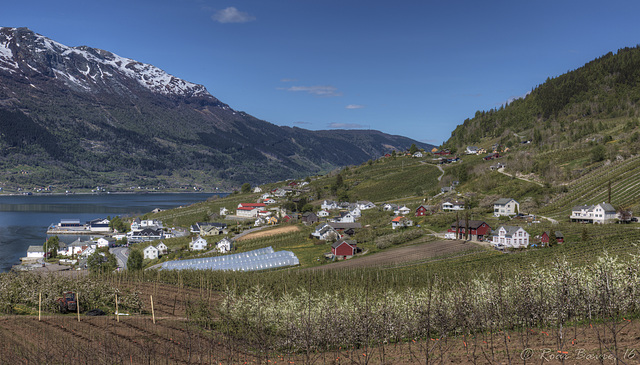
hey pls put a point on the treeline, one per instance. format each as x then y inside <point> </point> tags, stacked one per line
<point>607,87</point>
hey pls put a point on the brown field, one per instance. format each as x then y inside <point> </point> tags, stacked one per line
<point>270,232</point>
<point>173,339</point>
<point>402,255</point>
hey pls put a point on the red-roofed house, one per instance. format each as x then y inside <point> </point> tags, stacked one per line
<point>248,212</point>
<point>251,205</point>
<point>401,222</point>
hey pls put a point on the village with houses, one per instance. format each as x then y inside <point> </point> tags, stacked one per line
<point>338,224</point>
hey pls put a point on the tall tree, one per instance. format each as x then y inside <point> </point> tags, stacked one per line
<point>52,245</point>
<point>134,262</point>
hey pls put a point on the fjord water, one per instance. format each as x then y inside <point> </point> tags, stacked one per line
<point>24,219</point>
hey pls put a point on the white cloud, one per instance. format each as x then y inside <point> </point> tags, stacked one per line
<point>346,126</point>
<point>232,15</point>
<point>315,90</point>
<point>354,106</point>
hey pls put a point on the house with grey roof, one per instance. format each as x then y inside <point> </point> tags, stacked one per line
<point>599,213</point>
<point>510,237</point>
<point>505,206</point>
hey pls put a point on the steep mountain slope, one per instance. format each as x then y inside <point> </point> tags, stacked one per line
<point>82,117</point>
<point>566,108</point>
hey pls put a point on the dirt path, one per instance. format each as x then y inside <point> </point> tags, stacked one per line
<point>501,170</point>
<point>402,255</point>
<point>271,232</point>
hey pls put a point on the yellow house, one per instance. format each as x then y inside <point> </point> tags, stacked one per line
<point>272,220</point>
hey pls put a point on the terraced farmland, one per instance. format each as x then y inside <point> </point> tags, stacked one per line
<point>593,188</point>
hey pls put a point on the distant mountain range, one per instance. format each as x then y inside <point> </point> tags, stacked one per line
<point>81,117</point>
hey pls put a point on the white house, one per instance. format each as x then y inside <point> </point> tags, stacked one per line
<point>224,211</point>
<point>224,245</point>
<point>403,210</point>
<point>99,225</point>
<point>151,253</point>
<point>247,212</point>
<point>401,222</point>
<point>162,248</point>
<point>323,213</point>
<point>472,150</point>
<point>510,236</point>
<point>198,244</point>
<point>325,231</point>
<point>418,154</point>
<point>356,212</point>
<point>389,207</point>
<point>257,189</point>
<point>269,201</point>
<point>364,205</point>
<point>453,205</point>
<point>329,205</point>
<point>344,217</point>
<point>106,241</point>
<point>88,251</point>
<point>505,206</point>
<point>600,213</point>
<point>74,248</point>
<point>36,252</point>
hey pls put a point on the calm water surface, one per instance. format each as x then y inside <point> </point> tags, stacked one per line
<point>24,219</point>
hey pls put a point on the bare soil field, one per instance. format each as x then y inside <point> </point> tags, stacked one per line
<point>270,232</point>
<point>61,339</point>
<point>402,255</point>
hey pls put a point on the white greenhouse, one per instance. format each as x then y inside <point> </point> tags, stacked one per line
<point>261,259</point>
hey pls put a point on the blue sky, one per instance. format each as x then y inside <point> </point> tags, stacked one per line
<point>413,68</point>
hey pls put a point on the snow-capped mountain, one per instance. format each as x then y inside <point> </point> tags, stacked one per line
<point>90,117</point>
<point>24,53</point>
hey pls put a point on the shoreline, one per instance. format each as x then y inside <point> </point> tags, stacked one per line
<point>114,193</point>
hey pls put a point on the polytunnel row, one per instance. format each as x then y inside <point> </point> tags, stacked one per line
<point>260,259</point>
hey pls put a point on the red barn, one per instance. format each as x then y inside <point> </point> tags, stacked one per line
<point>423,210</point>
<point>344,248</point>
<point>478,230</point>
<point>544,239</point>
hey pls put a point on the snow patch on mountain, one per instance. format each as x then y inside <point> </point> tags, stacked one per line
<point>99,63</point>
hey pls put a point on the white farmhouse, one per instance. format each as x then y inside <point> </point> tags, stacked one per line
<point>150,253</point>
<point>329,205</point>
<point>505,206</point>
<point>224,245</point>
<point>365,204</point>
<point>453,205</point>
<point>323,213</point>
<point>35,252</point>
<point>600,213</point>
<point>198,244</point>
<point>162,248</point>
<point>510,236</point>
<point>403,210</point>
<point>106,241</point>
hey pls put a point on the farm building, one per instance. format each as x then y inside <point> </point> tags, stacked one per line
<point>478,230</point>
<point>344,248</point>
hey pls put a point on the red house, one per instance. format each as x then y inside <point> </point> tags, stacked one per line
<point>344,248</point>
<point>442,153</point>
<point>544,239</point>
<point>423,210</point>
<point>478,230</point>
